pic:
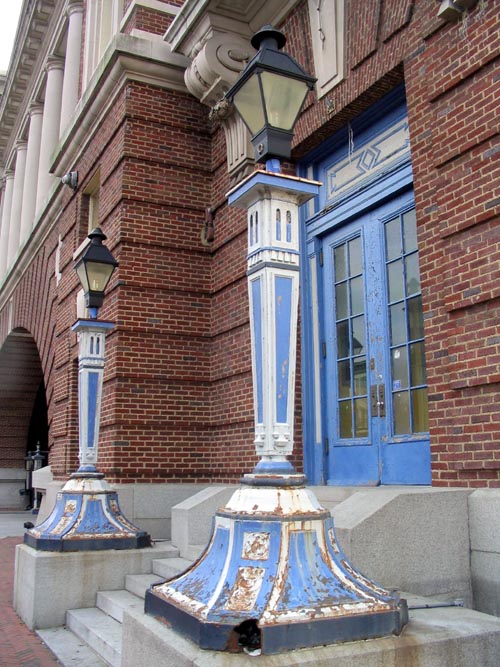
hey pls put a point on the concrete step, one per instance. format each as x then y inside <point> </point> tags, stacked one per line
<point>138,584</point>
<point>93,636</point>
<point>435,637</point>
<point>170,567</point>
<point>102,633</point>
<point>193,551</point>
<point>168,550</point>
<point>114,603</point>
<point>70,650</point>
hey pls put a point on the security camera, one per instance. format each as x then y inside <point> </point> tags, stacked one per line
<point>70,179</point>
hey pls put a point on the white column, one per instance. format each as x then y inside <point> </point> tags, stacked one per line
<point>17,201</point>
<point>4,233</point>
<point>2,201</point>
<point>2,204</point>
<point>71,63</point>
<point>31,175</point>
<point>50,126</point>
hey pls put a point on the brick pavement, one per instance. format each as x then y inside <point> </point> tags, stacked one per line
<point>19,647</point>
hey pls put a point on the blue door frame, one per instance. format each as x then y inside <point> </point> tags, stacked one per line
<point>369,192</point>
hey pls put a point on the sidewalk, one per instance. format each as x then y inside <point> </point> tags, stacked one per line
<point>19,647</point>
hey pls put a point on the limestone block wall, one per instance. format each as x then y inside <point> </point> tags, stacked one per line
<point>484,519</point>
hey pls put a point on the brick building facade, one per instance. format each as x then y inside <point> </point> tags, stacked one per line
<point>402,131</point>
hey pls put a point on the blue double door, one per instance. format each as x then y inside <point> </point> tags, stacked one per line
<point>374,379</point>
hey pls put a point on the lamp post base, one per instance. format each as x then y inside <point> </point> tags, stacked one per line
<point>273,578</point>
<point>86,517</point>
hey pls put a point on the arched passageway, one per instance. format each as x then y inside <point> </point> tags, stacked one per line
<point>23,413</point>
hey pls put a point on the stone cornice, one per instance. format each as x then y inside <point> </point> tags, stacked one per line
<point>241,17</point>
<point>128,57</point>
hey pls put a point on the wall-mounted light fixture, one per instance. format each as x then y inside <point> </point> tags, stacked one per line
<point>452,10</point>
<point>70,179</point>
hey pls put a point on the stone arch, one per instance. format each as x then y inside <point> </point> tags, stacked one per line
<point>23,412</point>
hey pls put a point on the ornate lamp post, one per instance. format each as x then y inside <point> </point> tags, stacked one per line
<point>273,576</point>
<point>87,515</point>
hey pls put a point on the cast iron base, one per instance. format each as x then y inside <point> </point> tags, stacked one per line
<point>273,578</point>
<point>86,517</point>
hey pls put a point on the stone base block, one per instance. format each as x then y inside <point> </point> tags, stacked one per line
<point>410,538</point>
<point>485,568</point>
<point>47,584</point>
<point>11,484</point>
<point>444,637</point>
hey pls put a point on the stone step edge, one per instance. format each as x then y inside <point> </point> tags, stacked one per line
<point>102,633</point>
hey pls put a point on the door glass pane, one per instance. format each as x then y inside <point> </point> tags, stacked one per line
<point>359,368</point>
<point>399,368</point>
<point>395,280</point>
<point>393,239</point>
<point>358,335</point>
<point>398,324</point>
<point>343,339</point>
<point>417,364</point>
<point>410,230</point>
<point>420,410</point>
<point>401,413</point>
<point>355,259</point>
<point>341,301</point>
<point>412,275</point>
<point>357,297</point>
<point>361,417</point>
<point>340,264</point>
<point>344,378</point>
<point>415,318</point>
<point>345,411</point>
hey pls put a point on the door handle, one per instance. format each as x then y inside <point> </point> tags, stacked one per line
<point>381,400</point>
<point>377,395</point>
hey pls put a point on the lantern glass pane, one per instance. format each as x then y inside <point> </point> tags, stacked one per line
<point>82,276</point>
<point>248,102</point>
<point>99,275</point>
<point>283,98</point>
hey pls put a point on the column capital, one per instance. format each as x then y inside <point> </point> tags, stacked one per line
<point>21,144</point>
<point>54,62</point>
<point>74,6</point>
<point>35,108</point>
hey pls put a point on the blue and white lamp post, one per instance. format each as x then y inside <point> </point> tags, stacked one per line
<point>273,577</point>
<point>86,515</point>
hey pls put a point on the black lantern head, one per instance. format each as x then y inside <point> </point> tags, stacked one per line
<point>95,268</point>
<point>269,95</point>
<point>38,458</point>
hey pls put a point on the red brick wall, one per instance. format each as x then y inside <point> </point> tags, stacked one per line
<point>143,18</point>
<point>451,74</point>
<point>178,389</point>
<point>452,87</point>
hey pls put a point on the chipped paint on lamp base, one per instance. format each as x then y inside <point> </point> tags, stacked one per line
<point>86,517</point>
<point>273,559</point>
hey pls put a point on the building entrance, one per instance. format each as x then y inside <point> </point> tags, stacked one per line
<point>376,420</point>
